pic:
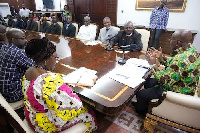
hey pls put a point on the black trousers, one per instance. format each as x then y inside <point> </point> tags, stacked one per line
<point>147,94</point>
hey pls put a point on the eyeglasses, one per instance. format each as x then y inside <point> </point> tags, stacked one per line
<point>22,38</point>
<point>128,28</point>
<point>56,57</point>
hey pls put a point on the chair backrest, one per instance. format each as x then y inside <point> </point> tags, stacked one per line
<point>38,22</point>
<point>117,28</point>
<point>20,126</point>
<point>145,37</point>
<point>49,22</point>
<point>96,27</point>
<point>198,90</point>
<point>61,25</point>
<point>76,25</point>
<point>6,20</point>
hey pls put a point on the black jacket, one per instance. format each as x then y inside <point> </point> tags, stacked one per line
<point>54,29</point>
<point>32,25</point>
<point>44,26</point>
<point>70,31</point>
<point>134,40</point>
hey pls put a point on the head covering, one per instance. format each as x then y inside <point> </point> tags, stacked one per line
<point>40,49</point>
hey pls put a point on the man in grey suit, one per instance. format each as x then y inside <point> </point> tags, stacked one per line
<point>31,24</point>
<point>107,32</point>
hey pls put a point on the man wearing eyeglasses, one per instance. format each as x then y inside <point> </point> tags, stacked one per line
<point>13,64</point>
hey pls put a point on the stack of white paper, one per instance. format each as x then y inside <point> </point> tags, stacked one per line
<point>131,73</point>
<point>81,76</point>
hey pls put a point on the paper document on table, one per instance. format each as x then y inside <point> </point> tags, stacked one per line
<point>130,74</point>
<point>92,42</point>
<point>138,62</point>
<point>81,76</point>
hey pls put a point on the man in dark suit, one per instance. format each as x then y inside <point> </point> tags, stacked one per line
<point>44,25</point>
<point>69,29</point>
<point>129,37</point>
<point>54,28</point>
<point>31,24</point>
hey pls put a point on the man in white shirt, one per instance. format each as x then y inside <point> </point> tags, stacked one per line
<point>87,31</point>
<point>107,32</point>
<point>24,11</point>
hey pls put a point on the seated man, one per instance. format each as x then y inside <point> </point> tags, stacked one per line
<point>13,64</point>
<point>69,29</point>
<point>54,28</point>
<point>11,22</point>
<point>87,31</point>
<point>2,35</point>
<point>32,24</point>
<point>107,32</point>
<point>19,22</point>
<point>181,73</point>
<point>44,25</point>
<point>24,23</point>
<point>128,37</point>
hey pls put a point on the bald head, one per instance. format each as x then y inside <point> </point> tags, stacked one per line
<point>13,33</point>
<point>2,32</point>
<point>128,27</point>
<point>17,37</point>
<point>184,35</point>
<point>2,28</point>
<point>180,38</point>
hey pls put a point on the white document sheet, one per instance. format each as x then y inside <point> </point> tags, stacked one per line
<point>81,76</point>
<point>131,73</point>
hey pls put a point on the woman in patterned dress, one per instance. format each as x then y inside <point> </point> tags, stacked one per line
<point>50,105</point>
<point>65,13</point>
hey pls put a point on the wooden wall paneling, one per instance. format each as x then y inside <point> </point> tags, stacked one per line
<point>14,3</point>
<point>30,4</point>
<point>81,10</point>
<point>112,11</point>
<point>97,11</point>
<point>70,3</point>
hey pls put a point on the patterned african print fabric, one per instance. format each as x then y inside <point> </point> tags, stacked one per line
<point>181,73</point>
<point>51,106</point>
<point>65,14</point>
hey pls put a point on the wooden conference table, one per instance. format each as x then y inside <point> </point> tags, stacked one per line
<point>107,96</point>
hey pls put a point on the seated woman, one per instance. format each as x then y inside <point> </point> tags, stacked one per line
<point>50,105</point>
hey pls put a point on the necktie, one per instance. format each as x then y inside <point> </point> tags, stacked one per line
<point>107,29</point>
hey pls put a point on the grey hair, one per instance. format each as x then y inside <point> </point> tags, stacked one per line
<point>106,18</point>
<point>129,22</point>
<point>86,18</point>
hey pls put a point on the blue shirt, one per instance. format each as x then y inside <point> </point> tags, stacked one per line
<point>13,64</point>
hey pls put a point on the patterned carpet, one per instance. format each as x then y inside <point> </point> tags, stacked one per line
<point>128,122</point>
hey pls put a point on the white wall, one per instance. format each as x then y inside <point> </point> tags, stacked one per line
<point>59,5</point>
<point>190,19</point>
